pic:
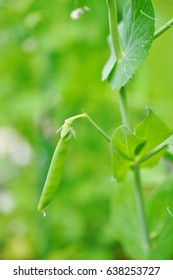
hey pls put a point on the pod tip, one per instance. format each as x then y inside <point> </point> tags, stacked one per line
<point>42,212</point>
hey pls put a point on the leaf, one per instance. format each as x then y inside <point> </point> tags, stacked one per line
<point>125,146</point>
<point>110,63</point>
<point>161,221</point>
<point>154,159</point>
<point>128,147</point>
<point>125,223</point>
<point>127,142</point>
<point>153,130</point>
<point>136,32</point>
<point>168,155</point>
<point>169,141</point>
<point>120,164</point>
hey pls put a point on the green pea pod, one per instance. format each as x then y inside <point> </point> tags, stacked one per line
<point>54,174</point>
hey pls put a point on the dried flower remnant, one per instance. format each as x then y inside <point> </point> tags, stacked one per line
<point>77,13</point>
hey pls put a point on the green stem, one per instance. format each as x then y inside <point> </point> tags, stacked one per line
<point>140,205</point>
<point>72,119</point>
<point>113,26</point>
<point>124,108</point>
<point>99,129</point>
<point>164,28</point>
<point>138,191</point>
<point>152,153</point>
<point>68,123</point>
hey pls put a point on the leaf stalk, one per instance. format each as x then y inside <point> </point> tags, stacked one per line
<point>164,28</point>
<point>98,128</point>
<point>152,153</point>
<point>68,123</point>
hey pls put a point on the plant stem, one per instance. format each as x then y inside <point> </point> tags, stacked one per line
<point>124,108</point>
<point>84,115</point>
<point>99,129</point>
<point>140,205</point>
<point>138,192</point>
<point>72,119</point>
<point>164,28</point>
<point>152,153</point>
<point>113,26</point>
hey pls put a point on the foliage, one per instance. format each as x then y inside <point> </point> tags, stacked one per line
<point>130,147</point>
<point>136,17</point>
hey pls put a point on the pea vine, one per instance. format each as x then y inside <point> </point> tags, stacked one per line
<point>132,148</point>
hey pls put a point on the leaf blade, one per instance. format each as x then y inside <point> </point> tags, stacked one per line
<point>137,31</point>
<point>125,146</point>
<point>153,130</point>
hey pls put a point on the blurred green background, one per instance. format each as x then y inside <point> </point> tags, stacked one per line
<point>50,69</point>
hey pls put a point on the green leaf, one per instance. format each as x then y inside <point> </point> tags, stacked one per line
<point>153,130</point>
<point>126,226</point>
<point>168,155</point>
<point>125,146</point>
<point>169,141</point>
<point>136,32</point>
<point>125,223</point>
<point>154,159</point>
<point>161,221</point>
<point>127,142</point>
<point>142,146</point>
<point>111,61</point>
<point>120,164</point>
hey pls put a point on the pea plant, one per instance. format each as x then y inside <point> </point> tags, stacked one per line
<point>132,148</point>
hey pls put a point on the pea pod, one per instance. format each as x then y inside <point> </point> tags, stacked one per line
<point>57,164</point>
<point>54,174</point>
